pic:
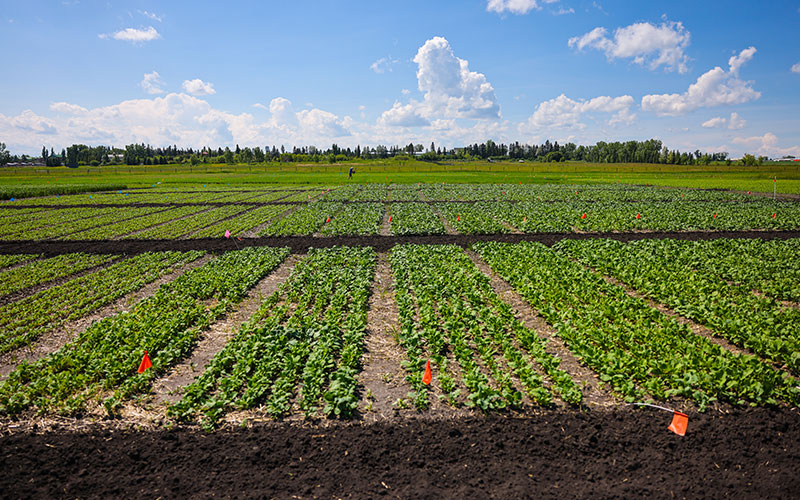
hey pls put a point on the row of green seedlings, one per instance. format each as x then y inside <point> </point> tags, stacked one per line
<point>639,351</point>
<point>17,192</point>
<point>307,219</point>
<point>568,192</point>
<point>242,222</point>
<point>414,218</point>
<point>23,321</point>
<point>101,364</point>
<point>306,338</point>
<point>660,270</point>
<point>41,271</point>
<point>129,226</point>
<point>448,309</point>
<point>187,225</point>
<point>7,261</point>
<point>549,216</point>
<point>770,267</point>
<point>59,222</point>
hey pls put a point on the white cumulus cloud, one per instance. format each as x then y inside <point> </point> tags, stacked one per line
<point>151,83</point>
<point>715,122</point>
<point>198,87</point>
<point>403,115</point>
<point>716,87</point>
<point>645,43</point>
<point>736,122</point>
<point>563,112</point>
<point>796,68</point>
<point>450,90</point>
<point>514,6</point>
<point>767,145</point>
<point>134,35</point>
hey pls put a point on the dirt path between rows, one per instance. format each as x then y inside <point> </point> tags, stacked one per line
<point>301,244</point>
<point>595,395</point>
<point>167,389</point>
<point>56,339</point>
<point>382,377</point>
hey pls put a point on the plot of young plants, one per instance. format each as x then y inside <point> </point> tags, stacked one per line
<point>301,349</point>
<point>637,350</point>
<point>656,269</point>
<point>450,315</point>
<point>101,364</point>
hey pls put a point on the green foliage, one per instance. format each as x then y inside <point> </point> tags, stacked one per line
<point>308,334</point>
<point>448,311</point>
<point>105,356</point>
<point>637,350</point>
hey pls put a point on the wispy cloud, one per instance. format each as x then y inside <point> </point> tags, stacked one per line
<point>383,65</point>
<point>151,83</point>
<point>151,15</point>
<point>133,35</point>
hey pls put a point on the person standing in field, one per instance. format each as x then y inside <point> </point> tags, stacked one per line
<point>350,173</point>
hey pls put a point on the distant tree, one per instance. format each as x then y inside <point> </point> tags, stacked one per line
<point>44,155</point>
<point>5,156</point>
<point>749,160</point>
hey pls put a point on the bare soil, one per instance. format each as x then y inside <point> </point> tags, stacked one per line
<point>301,244</point>
<point>619,453</point>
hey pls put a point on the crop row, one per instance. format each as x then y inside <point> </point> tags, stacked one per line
<point>355,218</point>
<point>184,226</point>
<point>770,267</point>
<point>470,218</point>
<point>242,222</point>
<point>449,310</point>
<point>21,228</point>
<point>654,268</point>
<point>638,350</point>
<point>104,357</point>
<point>307,219</point>
<point>414,218</point>
<point>135,224</point>
<point>308,334</point>
<point>44,270</point>
<point>10,260</point>
<point>23,321</point>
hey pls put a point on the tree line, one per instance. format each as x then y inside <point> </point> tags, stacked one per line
<point>649,151</point>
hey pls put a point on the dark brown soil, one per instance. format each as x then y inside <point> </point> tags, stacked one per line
<point>624,453</point>
<point>301,244</point>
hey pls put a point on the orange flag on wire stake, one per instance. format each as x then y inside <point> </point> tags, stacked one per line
<point>145,364</point>
<point>680,421</point>
<point>583,216</point>
<point>427,377</point>
<point>638,216</point>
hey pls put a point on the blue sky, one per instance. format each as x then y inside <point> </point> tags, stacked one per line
<point>714,75</point>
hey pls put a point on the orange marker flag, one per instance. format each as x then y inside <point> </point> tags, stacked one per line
<point>525,219</point>
<point>426,379</point>
<point>459,218</point>
<point>680,421</point>
<point>145,364</point>
<point>715,215</point>
<point>773,215</point>
<point>329,219</point>
<point>390,219</point>
<point>583,216</point>
<point>638,216</point>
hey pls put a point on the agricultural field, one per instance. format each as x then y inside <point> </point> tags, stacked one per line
<point>402,306</point>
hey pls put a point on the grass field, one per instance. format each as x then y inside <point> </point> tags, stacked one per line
<point>758,179</point>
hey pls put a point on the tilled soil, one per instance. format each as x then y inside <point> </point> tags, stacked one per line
<point>621,453</point>
<point>301,244</point>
